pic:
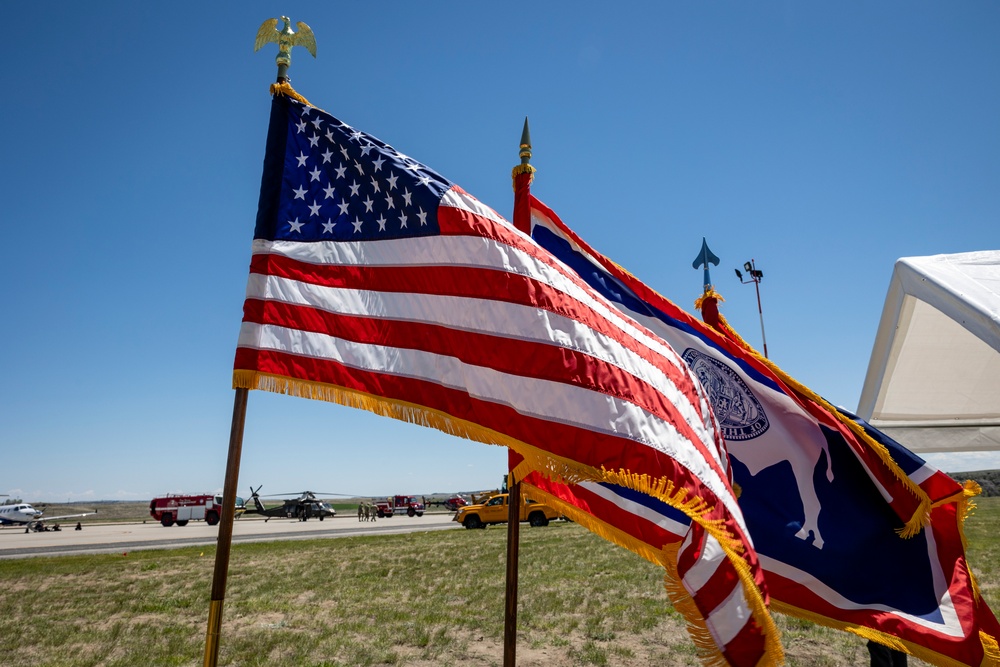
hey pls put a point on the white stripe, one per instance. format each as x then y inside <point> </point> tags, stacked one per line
<point>464,251</point>
<point>949,625</point>
<point>466,202</point>
<point>923,473</point>
<point>654,325</point>
<point>474,251</point>
<point>731,616</point>
<point>478,315</point>
<point>706,565</point>
<point>552,401</point>
<point>638,509</point>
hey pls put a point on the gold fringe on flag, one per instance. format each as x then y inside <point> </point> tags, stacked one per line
<point>554,467</point>
<point>991,651</point>
<point>523,169</point>
<point>666,557</point>
<point>709,294</point>
<point>285,88</point>
<point>966,506</point>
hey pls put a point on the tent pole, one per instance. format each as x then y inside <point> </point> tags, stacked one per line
<point>225,539</point>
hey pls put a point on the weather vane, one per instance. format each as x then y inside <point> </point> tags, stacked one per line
<point>285,38</point>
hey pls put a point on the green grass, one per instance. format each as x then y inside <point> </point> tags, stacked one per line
<point>421,599</point>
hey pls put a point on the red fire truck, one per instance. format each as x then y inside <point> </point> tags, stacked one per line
<point>171,509</point>
<point>393,505</point>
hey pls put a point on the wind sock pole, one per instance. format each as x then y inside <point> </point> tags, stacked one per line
<point>522,175</point>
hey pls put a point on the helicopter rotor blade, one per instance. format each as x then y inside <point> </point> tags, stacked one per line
<point>314,494</point>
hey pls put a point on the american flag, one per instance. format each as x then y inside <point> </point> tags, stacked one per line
<point>825,505</point>
<point>379,284</point>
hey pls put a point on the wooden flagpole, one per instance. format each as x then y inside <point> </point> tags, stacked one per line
<point>225,528</point>
<point>510,595</point>
<point>514,486</point>
<point>285,38</point>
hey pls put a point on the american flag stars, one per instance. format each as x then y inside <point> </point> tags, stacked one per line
<point>341,184</point>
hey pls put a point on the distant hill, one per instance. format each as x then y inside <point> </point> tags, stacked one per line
<point>988,479</point>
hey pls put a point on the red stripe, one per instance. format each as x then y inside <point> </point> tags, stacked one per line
<point>690,552</point>
<point>967,650</point>
<point>606,511</point>
<point>458,222</point>
<point>973,614</point>
<point>748,646</point>
<point>507,355</point>
<point>590,448</point>
<point>718,587</point>
<point>478,283</point>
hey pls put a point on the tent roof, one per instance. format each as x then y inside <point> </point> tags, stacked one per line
<point>933,381</point>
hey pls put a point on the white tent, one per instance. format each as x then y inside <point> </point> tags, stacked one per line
<point>933,381</point>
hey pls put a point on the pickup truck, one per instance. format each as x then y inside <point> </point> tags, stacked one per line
<point>494,510</point>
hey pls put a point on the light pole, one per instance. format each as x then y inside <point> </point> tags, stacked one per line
<point>755,277</point>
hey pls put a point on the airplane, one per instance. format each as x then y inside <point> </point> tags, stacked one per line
<point>25,515</point>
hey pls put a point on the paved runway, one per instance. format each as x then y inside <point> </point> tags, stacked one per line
<point>119,537</point>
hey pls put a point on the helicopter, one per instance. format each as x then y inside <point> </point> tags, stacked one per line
<point>304,506</point>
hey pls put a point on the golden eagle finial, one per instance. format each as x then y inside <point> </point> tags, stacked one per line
<point>285,38</point>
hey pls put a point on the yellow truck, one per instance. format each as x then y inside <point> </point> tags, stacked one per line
<point>494,510</point>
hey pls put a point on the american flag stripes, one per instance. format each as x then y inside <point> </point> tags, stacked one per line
<point>377,283</point>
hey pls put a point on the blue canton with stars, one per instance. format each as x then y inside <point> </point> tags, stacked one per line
<point>325,181</point>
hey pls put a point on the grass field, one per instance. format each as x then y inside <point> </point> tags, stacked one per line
<point>422,599</point>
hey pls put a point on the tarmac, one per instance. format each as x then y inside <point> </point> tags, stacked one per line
<point>97,538</point>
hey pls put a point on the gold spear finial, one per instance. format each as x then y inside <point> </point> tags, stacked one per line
<point>525,155</point>
<point>285,38</point>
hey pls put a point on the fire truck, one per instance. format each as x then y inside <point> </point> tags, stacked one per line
<point>393,505</point>
<point>171,509</point>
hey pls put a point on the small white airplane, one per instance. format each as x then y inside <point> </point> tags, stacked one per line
<point>26,515</point>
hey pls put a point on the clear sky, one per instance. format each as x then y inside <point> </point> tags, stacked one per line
<point>823,140</point>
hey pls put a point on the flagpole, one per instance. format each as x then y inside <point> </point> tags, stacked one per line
<point>510,594</point>
<point>225,539</point>
<point>285,38</point>
<point>522,175</point>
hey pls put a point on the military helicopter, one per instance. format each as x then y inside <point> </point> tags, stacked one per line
<point>304,506</point>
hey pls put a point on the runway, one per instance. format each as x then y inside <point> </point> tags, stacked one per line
<point>120,537</point>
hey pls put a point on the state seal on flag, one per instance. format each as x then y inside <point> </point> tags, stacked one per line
<point>740,414</point>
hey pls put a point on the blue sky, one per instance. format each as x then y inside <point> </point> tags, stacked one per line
<point>823,140</point>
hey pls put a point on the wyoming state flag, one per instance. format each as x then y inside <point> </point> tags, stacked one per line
<point>853,531</point>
